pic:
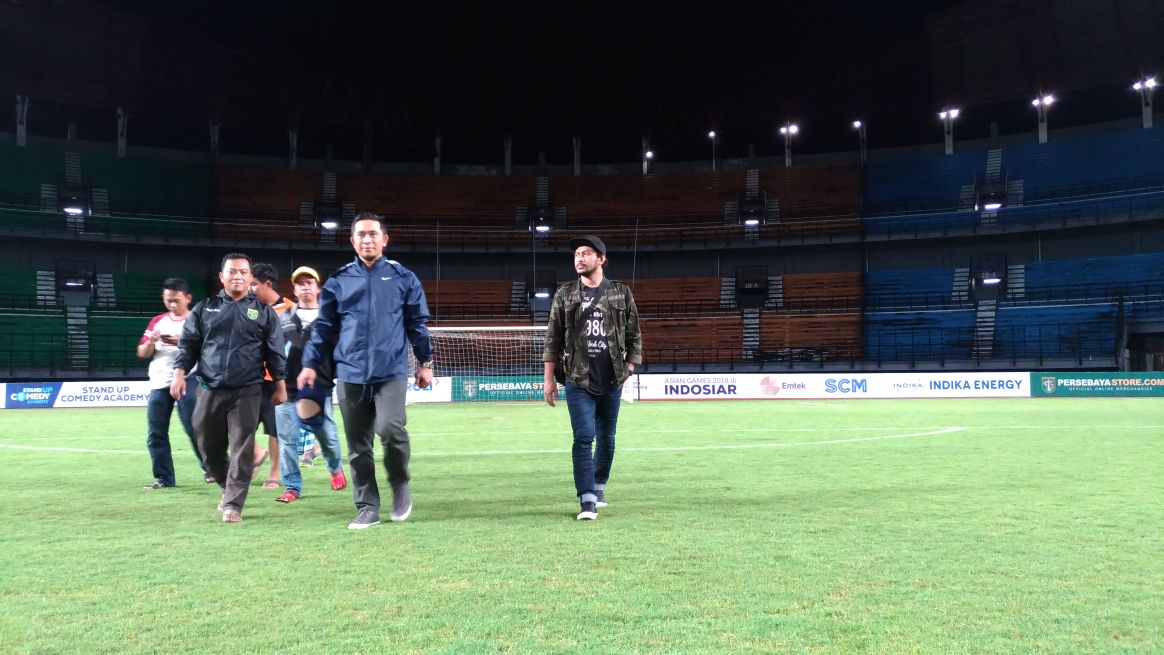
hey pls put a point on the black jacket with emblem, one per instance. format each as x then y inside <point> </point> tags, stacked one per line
<point>230,341</point>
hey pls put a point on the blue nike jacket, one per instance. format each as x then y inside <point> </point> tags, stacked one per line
<point>369,318</point>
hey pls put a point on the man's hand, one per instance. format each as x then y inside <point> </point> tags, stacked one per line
<point>423,377</point>
<point>306,379</point>
<point>550,386</point>
<point>178,386</point>
<point>280,395</point>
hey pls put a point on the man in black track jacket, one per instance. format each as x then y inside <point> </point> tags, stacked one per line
<point>230,336</point>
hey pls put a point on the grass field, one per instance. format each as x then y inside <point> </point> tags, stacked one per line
<point>875,526</point>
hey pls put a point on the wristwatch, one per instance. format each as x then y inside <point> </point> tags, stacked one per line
<point>427,364</point>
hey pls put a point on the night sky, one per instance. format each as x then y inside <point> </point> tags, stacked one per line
<point>543,72</point>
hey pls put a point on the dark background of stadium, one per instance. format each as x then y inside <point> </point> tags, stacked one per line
<point>611,73</point>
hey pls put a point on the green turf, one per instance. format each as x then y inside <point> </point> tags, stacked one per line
<point>914,526</point>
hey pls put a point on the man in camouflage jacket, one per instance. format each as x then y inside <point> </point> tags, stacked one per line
<point>594,329</point>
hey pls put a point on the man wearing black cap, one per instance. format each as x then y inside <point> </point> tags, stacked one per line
<point>594,331</point>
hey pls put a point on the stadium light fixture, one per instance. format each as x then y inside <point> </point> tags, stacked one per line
<point>74,202</point>
<point>991,280</point>
<point>948,115</point>
<point>1146,86</point>
<point>541,221</point>
<point>329,225</point>
<point>1040,104</point>
<point>714,136</point>
<point>992,206</point>
<point>542,294</point>
<point>860,127</point>
<point>788,130</point>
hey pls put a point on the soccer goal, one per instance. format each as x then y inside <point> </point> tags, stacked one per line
<point>501,363</point>
<point>489,351</point>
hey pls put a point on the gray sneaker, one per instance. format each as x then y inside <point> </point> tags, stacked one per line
<point>365,518</point>
<point>401,503</point>
<point>601,494</point>
<point>589,512</point>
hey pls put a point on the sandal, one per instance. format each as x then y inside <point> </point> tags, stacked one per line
<point>270,484</point>
<point>231,516</point>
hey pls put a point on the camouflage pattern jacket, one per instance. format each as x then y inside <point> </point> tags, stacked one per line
<point>623,337</point>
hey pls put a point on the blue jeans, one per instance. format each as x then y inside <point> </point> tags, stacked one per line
<point>159,409</point>
<point>593,418</point>
<point>289,425</point>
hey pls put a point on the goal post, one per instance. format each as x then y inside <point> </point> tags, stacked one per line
<point>489,363</point>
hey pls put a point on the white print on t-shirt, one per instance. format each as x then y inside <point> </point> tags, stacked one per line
<point>307,316</point>
<point>161,369</point>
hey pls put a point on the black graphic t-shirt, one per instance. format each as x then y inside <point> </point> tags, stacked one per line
<point>594,329</point>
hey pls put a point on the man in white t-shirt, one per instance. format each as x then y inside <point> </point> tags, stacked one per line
<point>159,344</point>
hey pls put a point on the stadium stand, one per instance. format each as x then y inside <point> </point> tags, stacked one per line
<point>1075,331</point>
<point>683,296</point>
<point>1087,165</point>
<point>918,288</point>
<point>466,302</point>
<point>20,289</point>
<point>907,183</point>
<point>465,201</point>
<point>645,209</point>
<point>33,338</point>
<point>692,340</point>
<point>816,318</point>
<point>935,335</point>
<point>810,337</point>
<point>812,200</point>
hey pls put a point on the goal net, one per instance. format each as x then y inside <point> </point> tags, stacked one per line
<point>490,363</point>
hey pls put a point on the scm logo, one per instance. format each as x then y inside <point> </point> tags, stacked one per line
<point>846,385</point>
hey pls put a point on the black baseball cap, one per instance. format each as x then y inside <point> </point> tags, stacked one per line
<point>588,240</point>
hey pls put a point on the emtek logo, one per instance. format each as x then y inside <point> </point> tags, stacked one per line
<point>846,385</point>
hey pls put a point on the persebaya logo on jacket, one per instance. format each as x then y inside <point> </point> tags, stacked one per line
<point>253,314</point>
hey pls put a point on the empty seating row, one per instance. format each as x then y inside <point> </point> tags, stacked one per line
<point>1081,330</point>
<point>909,287</point>
<point>821,292</point>
<point>817,338</point>
<point>926,335</point>
<point>692,340</point>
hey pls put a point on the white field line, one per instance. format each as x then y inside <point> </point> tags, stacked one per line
<point>566,430</point>
<point>647,449</point>
<point>558,451</point>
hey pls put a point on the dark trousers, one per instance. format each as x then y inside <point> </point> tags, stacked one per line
<point>593,419</point>
<point>158,412</point>
<point>225,420</point>
<point>369,410</point>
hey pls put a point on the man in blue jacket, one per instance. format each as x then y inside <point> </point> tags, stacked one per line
<point>371,312</point>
